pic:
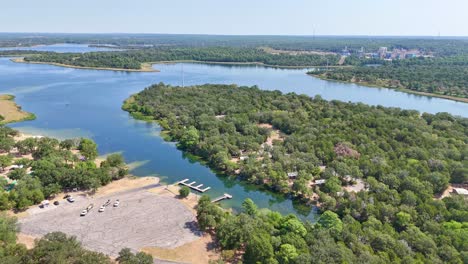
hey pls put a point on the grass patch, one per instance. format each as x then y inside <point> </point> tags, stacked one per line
<point>10,112</point>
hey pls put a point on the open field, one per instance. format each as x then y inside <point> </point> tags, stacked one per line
<point>143,219</point>
<point>11,112</point>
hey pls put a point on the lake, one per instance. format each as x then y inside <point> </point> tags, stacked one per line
<point>87,103</point>
<point>62,48</point>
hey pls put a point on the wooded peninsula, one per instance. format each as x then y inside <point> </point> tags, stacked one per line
<point>375,172</point>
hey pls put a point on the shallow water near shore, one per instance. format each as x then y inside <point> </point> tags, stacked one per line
<point>75,102</point>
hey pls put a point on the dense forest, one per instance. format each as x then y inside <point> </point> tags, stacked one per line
<point>288,142</point>
<point>444,76</point>
<point>132,59</point>
<point>385,235</point>
<point>442,46</point>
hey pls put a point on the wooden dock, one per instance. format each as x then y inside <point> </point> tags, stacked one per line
<point>222,197</point>
<point>192,186</point>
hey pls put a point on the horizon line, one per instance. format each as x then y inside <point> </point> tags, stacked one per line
<point>227,35</point>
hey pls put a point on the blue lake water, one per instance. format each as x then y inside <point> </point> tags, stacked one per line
<point>62,48</point>
<point>75,102</point>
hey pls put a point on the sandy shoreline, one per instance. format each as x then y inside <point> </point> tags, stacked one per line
<point>144,67</point>
<point>11,112</point>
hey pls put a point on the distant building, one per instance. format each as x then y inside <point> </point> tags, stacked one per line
<point>460,191</point>
<point>293,175</point>
<point>319,182</point>
<point>382,52</point>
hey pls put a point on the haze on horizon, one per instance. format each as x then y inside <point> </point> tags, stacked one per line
<point>242,17</point>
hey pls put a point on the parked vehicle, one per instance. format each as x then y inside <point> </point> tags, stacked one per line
<point>56,203</point>
<point>101,209</point>
<point>71,199</point>
<point>86,211</point>
<point>117,203</point>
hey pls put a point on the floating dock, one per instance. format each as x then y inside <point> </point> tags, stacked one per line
<point>193,187</point>
<point>224,196</point>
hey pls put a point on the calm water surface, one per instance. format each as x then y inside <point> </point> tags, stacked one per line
<point>62,48</point>
<point>75,102</point>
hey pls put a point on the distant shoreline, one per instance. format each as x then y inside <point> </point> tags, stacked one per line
<point>145,67</point>
<point>404,90</point>
<point>245,63</point>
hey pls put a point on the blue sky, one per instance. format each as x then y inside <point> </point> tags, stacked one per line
<point>269,17</point>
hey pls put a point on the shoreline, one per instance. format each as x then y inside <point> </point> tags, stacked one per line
<point>404,90</point>
<point>11,112</point>
<point>144,67</point>
<point>147,66</point>
<point>246,64</point>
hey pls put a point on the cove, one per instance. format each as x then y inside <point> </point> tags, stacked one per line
<point>74,102</point>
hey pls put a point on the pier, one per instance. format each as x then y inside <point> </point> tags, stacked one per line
<point>222,197</point>
<point>192,186</point>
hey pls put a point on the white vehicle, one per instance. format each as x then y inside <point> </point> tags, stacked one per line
<point>86,211</point>
<point>71,199</point>
<point>117,202</point>
<point>101,209</point>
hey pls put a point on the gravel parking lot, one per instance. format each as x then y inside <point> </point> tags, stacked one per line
<point>143,219</point>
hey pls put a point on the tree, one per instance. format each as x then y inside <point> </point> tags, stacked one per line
<point>88,149</point>
<point>6,144</point>
<point>330,220</point>
<point>460,175</point>
<point>8,229</point>
<point>403,219</point>
<point>5,161</point>
<point>27,145</point>
<point>184,191</point>
<point>189,138</point>
<point>294,225</point>
<point>57,248</point>
<point>17,174</point>
<point>249,207</point>
<point>115,160</point>
<point>67,144</point>
<point>259,249</point>
<point>127,257</point>
<point>287,254</point>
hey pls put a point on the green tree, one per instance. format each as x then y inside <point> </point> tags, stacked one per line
<point>259,249</point>
<point>17,174</point>
<point>184,191</point>
<point>5,161</point>
<point>189,138</point>
<point>57,247</point>
<point>127,257</point>
<point>330,220</point>
<point>249,207</point>
<point>88,149</point>
<point>287,254</point>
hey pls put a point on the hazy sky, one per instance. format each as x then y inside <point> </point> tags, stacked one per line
<point>276,17</point>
